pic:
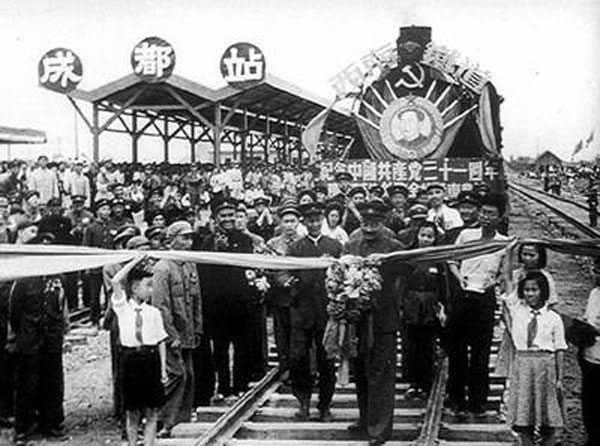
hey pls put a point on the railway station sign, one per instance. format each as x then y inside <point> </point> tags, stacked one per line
<point>60,70</point>
<point>457,174</point>
<point>243,64</point>
<point>153,59</point>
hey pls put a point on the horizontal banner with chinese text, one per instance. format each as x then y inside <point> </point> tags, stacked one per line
<point>457,174</point>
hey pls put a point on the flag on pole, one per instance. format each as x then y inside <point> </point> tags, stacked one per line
<point>312,133</point>
<point>589,139</point>
<point>578,148</point>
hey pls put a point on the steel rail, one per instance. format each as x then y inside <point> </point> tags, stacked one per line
<point>556,197</point>
<point>573,221</point>
<point>227,425</point>
<point>435,404</point>
<point>81,315</point>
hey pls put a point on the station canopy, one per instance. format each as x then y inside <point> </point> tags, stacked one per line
<point>11,135</point>
<point>271,115</point>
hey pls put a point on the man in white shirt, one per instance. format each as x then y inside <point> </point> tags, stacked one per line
<point>44,181</point>
<point>472,315</point>
<point>445,217</point>
<point>78,183</point>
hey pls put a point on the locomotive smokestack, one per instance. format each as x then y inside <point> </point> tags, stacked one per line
<point>412,42</point>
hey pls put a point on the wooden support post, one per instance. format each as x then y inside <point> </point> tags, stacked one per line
<point>166,141</point>
<point>192,143</point>
<point>300,151</point>
<point>267,138</point>
<point>244,142</point>
<point>95,134</point>
<point>286,143</point>
<point>134,138</point>
<point>217,135</point>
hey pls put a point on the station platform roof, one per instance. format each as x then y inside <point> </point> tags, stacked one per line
<point>11,135</point>
<point>275,98</point>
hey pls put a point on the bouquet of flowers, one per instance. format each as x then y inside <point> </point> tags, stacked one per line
<point>257,279</point>
<point>352,285</point>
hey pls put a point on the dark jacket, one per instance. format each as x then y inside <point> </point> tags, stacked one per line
<point>310,300</point>
<point>386,311</point>
<point>225,289</point>
<point>37,315</point>
<point>58,226</point>
<point>100,234</point>
<point>421,287</point>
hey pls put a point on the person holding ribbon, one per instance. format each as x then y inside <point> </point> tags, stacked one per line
<point>537,374</point>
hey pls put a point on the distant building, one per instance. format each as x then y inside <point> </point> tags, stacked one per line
<point>548,161</point>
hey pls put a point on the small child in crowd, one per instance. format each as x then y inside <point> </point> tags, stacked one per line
<point>423,290</point>
<point>537,374</point>
<point>143,355</point>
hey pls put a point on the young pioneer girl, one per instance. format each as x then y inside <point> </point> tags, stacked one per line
<point>538,371</point>
<point>143,354</point>
<point>533,256</point>
<point>423,295</point>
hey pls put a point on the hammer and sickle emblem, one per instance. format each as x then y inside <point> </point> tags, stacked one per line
<point>411,80</point>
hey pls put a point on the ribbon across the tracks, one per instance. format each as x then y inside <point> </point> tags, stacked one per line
<point>19,261</point>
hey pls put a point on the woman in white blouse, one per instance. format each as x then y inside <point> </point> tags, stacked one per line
<point>332,222</point>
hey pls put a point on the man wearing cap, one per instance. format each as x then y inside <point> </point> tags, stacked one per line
<point>468,208</point>
<point>39,319</point>
<point>343,180</point>
<point>417,213</point>
<point>264,224</point>
<point>472,316</point>
<point>256,321</point>
<point>279,296</point>
<point>396,218</point>
<point>177,295</point>
<point>100,234</point>
<point>119,213</point>
<point>80,217</point>
<point>445,217</point>
<point>31,205</point>
<point>352,217</point>
<point>375,366</point>
<point>226,293</point>
<point>155,236</point>
<point>308,316</point>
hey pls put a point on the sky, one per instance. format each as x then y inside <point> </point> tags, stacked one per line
<point>543,55</point>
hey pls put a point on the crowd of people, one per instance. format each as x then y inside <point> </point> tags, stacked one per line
<point>173,323</point>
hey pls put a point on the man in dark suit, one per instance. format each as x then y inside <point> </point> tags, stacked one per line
<point>38,318</point>
<point>375,367</point>
<point>226,294</point>
<point>308,315</point>
<point>100,234</point>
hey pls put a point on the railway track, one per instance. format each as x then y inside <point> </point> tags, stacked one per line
<point>79,316</point>
<point>572,212</point>
<point>265,417</point>
<point>577,203</point>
